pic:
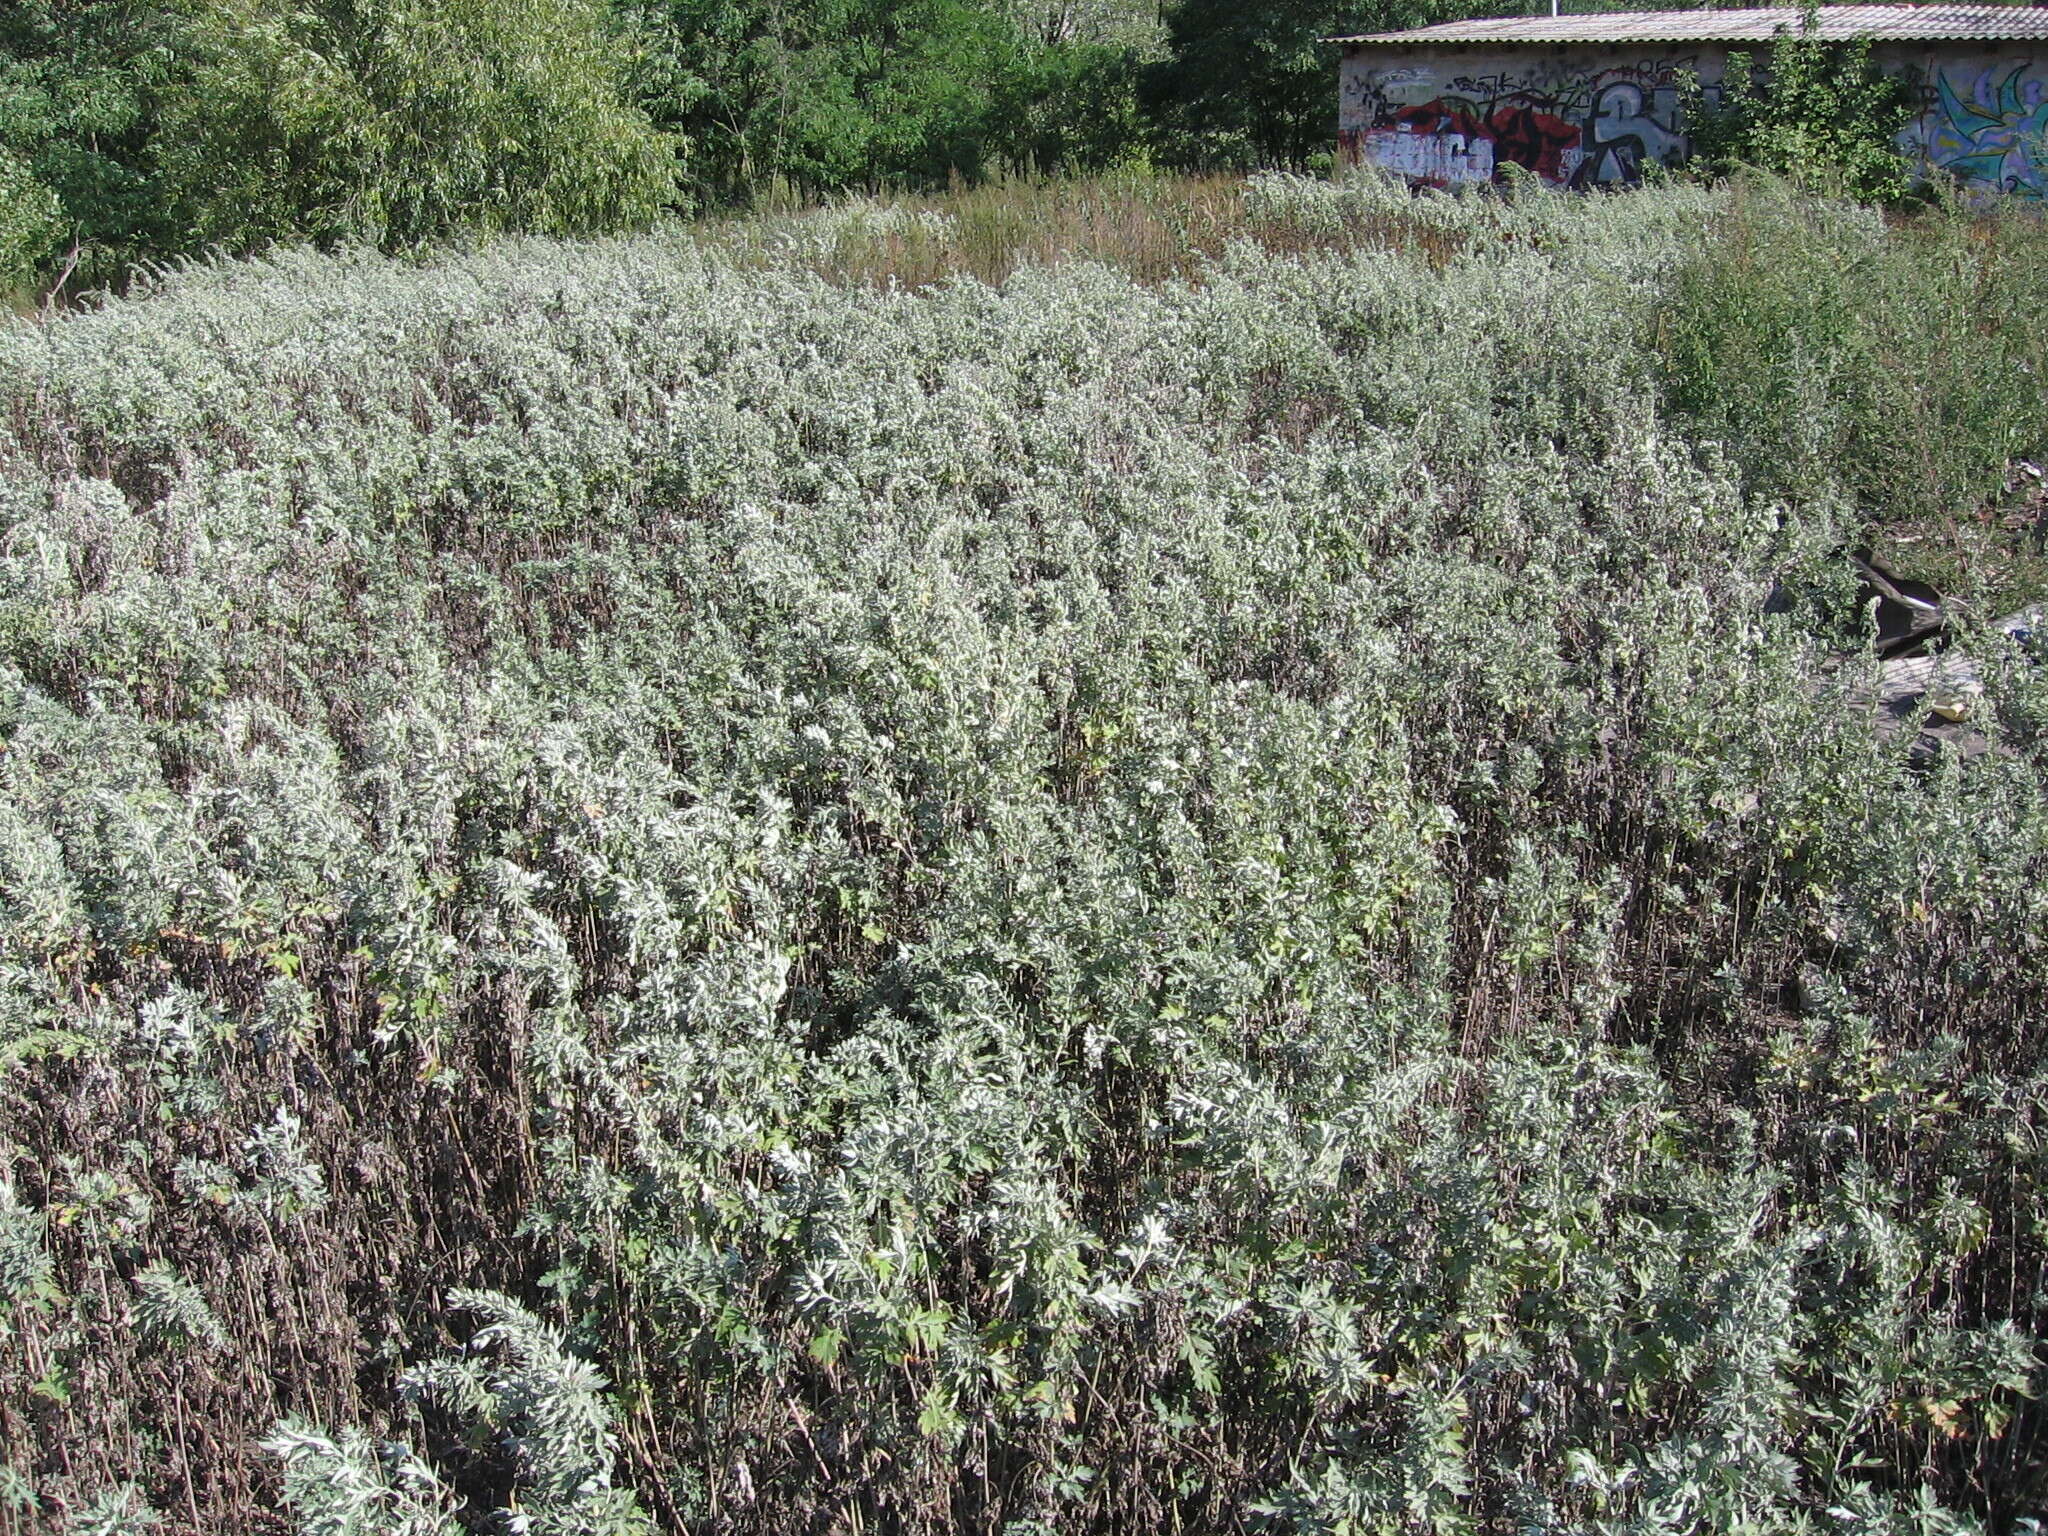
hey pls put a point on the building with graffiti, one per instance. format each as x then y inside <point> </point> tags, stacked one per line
<point>1588,101</point>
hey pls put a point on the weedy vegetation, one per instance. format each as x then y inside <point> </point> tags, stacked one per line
<point>878,871</point>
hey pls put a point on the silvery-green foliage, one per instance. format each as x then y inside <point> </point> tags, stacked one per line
<point>119,1509</point>
<point>1077,905</point>
<point>26,1275</point>
<point>172,1311</point>
<point>288,1183</point>
<point>17,1493</point>
<point>351,1485</point>
<point>1883,1512</point>
<point>549,1406</point>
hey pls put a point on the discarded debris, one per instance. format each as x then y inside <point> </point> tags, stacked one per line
<point>1909,613</point>
<point>1922,683</point>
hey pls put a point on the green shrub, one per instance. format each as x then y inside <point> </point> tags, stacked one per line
<point>1822,114</point>
<point>400,123</point>
<point>136,131</point>
<point>1833,351</point>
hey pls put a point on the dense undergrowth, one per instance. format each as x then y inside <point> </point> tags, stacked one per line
<point>655,884</point>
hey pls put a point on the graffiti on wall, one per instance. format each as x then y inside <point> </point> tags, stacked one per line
<point>1990,127</point>
<point>1578,122</point>
<point>1573,128</point>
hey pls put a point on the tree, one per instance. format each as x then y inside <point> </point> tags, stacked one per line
<point>828,95</point>
<point>1131,24</point>
<point>31,221</point>
<point>404,121</point>
<point>79,84</point>
<point>1821,112</point>
<point>704,71</point>
<point>1075,107</point>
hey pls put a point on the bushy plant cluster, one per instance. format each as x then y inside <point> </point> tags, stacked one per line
<point>1822,113</point>
<point>1898,363</point>
<point>135,130</point>
<point>640,889</point>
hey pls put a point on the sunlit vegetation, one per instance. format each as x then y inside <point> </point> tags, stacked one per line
<point>1126,857</point>
<point>137,131</point>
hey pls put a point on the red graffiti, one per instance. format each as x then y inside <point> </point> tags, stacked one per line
<point>1533,139</point>
<point>1520,134</point>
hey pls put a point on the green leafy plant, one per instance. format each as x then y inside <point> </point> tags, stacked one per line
<point>1821,112</point>
<point>399,123</point>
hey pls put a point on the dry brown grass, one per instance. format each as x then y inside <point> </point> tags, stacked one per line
<point>1156,229</point>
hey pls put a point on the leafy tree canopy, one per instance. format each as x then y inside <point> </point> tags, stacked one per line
<point>135,129</point>
<point>1822,111</point>
<point>403,120</point>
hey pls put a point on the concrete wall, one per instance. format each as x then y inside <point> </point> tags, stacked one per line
<point>1582,115</point>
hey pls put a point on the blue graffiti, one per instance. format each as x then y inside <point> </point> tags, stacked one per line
<point>1998,134</point>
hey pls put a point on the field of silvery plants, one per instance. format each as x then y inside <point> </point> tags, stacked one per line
<point>683,885</point>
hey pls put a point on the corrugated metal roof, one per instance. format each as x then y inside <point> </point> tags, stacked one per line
<point>1838,23</point>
